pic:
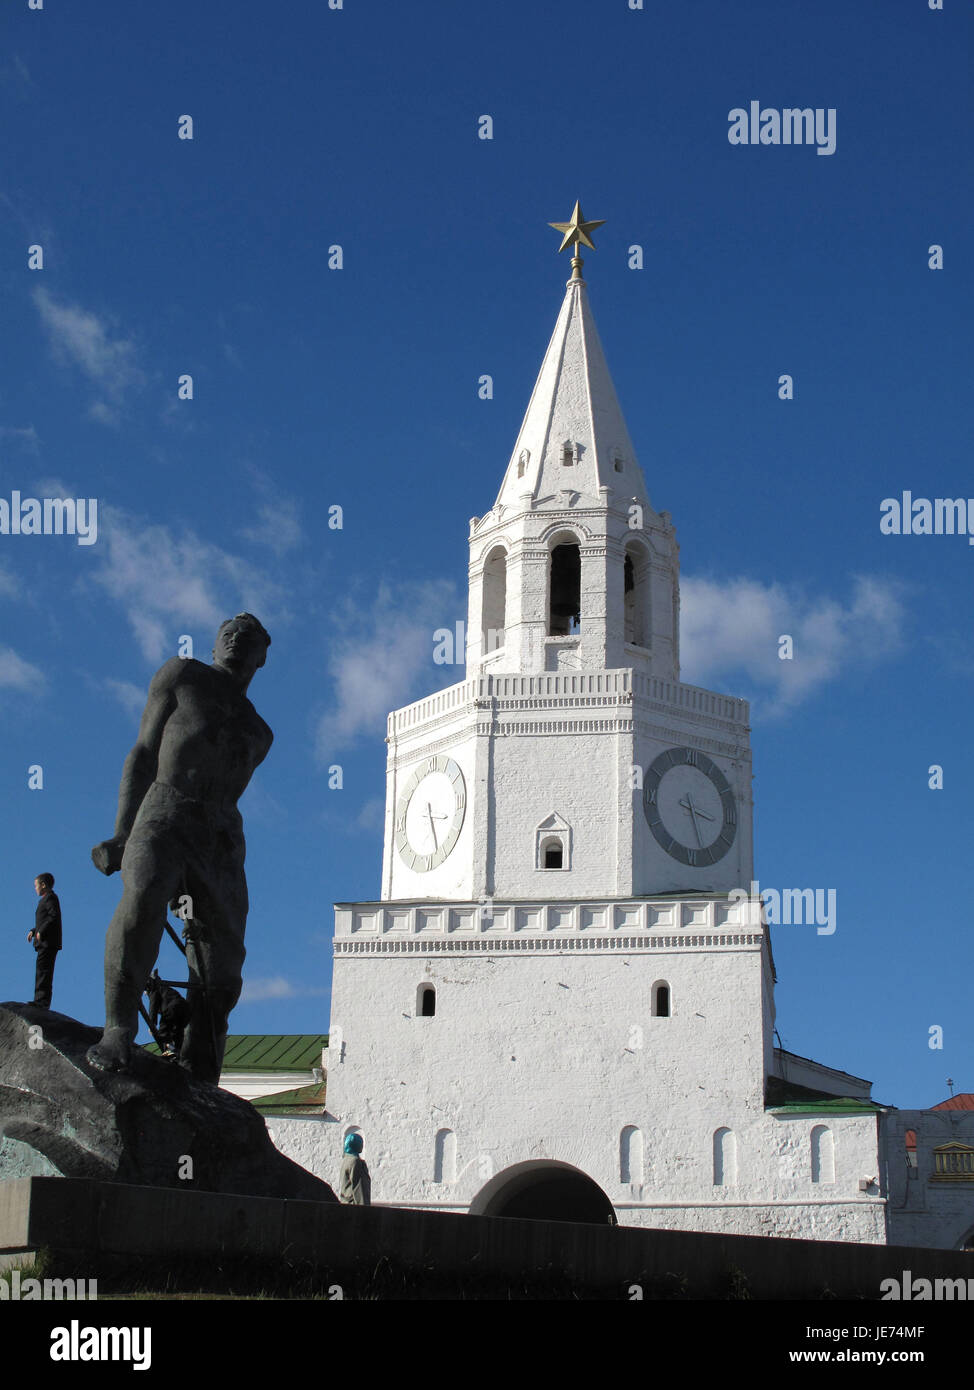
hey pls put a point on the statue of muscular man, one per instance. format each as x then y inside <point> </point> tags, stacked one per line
<point>178,835</point>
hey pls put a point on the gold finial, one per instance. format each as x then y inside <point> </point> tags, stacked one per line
<point>576,233</point>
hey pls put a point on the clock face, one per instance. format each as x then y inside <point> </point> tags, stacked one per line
<point>689,806</point>
<point>429,814</point>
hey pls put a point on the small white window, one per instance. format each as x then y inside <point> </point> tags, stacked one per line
<point>553,844</point>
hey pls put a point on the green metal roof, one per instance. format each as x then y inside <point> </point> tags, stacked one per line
<point>273,1051</point>
<point>270,1051</point>
<point>836,1105</point>
<point>303,1100</point>
<point>789,1098</point>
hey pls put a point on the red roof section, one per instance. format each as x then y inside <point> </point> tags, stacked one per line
<point>965,1101</point>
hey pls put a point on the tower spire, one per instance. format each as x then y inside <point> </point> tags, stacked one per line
<point>576,233</point>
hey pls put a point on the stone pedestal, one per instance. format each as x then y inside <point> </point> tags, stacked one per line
<point>153,1126</point>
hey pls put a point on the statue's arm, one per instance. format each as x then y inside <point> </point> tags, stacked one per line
<point>139,771</point>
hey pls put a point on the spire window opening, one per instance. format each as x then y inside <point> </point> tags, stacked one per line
<point>636,598</point>
<point>568,455</point>
<point>565,613</point>
<point>493,613</point>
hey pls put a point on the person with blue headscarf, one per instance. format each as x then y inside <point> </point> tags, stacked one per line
<point>355,1184</point>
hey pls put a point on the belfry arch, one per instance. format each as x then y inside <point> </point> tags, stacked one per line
<point>544,1189</point>
<point>564,585</point>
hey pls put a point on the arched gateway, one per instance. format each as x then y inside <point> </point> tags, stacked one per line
<point>544,1190</point>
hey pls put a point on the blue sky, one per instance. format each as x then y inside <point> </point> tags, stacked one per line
<point>358,387</point>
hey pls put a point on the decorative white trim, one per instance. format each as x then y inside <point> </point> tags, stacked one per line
<point>559,944</point>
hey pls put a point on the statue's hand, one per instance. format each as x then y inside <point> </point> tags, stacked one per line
<point>107,857</point>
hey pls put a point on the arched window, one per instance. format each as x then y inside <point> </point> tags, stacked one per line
<point>636,581</point>
<point>426,1001</point>
<point>725,1158</point>
<point>823,1154</point>
<point>553,843</point>
<point>565,603</point>
<point>661,999</point>
<point>493,612</point>
<point>445,1156</point>
<point>552,853</point>
<point>631,1155</point>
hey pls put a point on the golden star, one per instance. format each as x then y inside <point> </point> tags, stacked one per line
<point>576,232</point>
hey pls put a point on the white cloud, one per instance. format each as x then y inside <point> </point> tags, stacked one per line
<point>81,338</point>
<point>372,814</point>
<point>171,582</point>
<point>18,674</point>
<point>26,436</point>
<point>130,696</point>
<point>277,517</point>
<point>273,987</point>
<point>277,526</point>
<point>730,632</point>
<point>384,660</point>
<point>105,414</point>
<point>9,584</point>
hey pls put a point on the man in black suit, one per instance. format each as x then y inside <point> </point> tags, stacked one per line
<point>46,937</point>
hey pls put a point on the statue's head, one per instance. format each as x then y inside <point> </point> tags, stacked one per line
<point>240,641</point>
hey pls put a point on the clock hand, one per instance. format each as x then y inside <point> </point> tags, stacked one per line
<point>693,817</point>
<point>429,813</point>
<point>694,811</point>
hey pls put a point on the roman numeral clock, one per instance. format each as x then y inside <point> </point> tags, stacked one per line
<point>689,806</point>
<point>429,814</point>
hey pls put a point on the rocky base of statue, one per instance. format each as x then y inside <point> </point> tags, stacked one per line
<point>154,1125</point>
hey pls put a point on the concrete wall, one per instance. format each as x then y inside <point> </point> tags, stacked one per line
<point>98,1222</point>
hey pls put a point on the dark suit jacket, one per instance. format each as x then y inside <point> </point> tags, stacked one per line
<point>47,923</point>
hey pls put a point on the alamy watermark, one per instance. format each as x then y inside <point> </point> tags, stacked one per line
<point>911,1290</point>
<point>50,516</point>
<point>793,125</point>
<point>920,516</point>
<point>77,1343</point>
<point>798,907</point>
<point>27,1290</point>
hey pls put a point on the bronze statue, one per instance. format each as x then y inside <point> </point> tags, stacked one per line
<point>179,840</point>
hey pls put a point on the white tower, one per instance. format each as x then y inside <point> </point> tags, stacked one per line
<point>571,760</point>
<point>559,1004</point>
